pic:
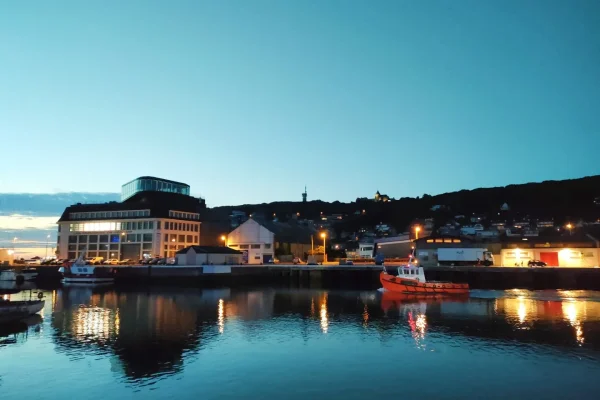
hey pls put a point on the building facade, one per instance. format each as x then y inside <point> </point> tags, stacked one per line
<point>148,223</point>
<point>256,242</point>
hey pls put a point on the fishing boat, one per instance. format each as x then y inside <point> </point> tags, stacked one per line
<point>79,273</point>
<point>411,279</point>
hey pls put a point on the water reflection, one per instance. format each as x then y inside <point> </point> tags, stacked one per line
<point>148,334</point>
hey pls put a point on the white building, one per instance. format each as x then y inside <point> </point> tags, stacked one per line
<point>149,222</point>
<point>256,242</point>
<point>208,255</point>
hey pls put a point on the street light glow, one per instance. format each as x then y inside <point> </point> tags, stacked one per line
<point>323,234</point>
<point>223,238</point>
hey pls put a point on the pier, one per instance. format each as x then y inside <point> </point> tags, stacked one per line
<point>350,276</point>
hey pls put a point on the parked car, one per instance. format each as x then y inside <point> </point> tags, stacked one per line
<point>112,261</point>
<point>161,261</point>
<point>536,263</point>
<point>126,261</point>
<point>33,262</point>
<point>154,261</point>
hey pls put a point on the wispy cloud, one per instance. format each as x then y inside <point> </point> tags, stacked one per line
<point>18,222</point>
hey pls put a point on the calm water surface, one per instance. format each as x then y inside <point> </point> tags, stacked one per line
<point>302,343</point>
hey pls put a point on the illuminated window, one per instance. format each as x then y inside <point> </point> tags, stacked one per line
<point>439,241</point>
<point>447,240</point>
<point>429,240</point>
<point>456,240</point>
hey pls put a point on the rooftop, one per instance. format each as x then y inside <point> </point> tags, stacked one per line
<point>209,250</point>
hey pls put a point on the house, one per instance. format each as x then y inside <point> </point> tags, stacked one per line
<point>208,255</point>
<point>262,240</point>
<point>578,250</point>
<point>381,197</point>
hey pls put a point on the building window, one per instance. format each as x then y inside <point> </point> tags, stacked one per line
<point>189,238</point>
<point>255,246</point>
<point>150,224</point>
<point>267,246</point>
<point>196,227</point>
<point>196,239</point>
<point>72,247</point>
<point>158,225</point>
<point>72,239</point>
<point>93,247</point>
<point>93,238</point>
<point>233,245</point>
<point>130,237</point>
<point>243,246</point>
<point>147,246</point>
<point>103,238</point>
<point>114,246</point>
<point>147,237</point>
<point>181,238</point>
<point>114,238</point>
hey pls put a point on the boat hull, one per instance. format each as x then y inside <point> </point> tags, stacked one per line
<point>18,310</point>
<point>87,280</point>
<point>402,285</point>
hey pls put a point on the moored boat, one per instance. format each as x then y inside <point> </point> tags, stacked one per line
<point>18,310</point>
<point>82,274</point>
<point>29,273</point>
<point>8,275</point>
<point>411,280</point>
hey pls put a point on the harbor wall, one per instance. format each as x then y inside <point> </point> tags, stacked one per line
<point>364,276</point>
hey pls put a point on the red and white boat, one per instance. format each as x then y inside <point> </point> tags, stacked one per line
<point>411,280</point>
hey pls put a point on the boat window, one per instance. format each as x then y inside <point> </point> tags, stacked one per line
<point>447,240</point>
<point>456,241</point>
<point>439,241</point>
<point>429,240</point>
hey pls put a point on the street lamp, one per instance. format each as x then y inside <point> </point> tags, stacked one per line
<point>417,230</point>
<point>569,227</point>
<point>224,240</point>
<point>47,240</point>
<point>324,236</point>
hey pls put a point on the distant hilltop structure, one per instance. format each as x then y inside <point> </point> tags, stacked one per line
<point>381,197</point>
<point>304,195</point>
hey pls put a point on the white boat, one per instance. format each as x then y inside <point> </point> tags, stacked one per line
<point>81,273</point>
<point>18,310</point>
<point>8,275</point>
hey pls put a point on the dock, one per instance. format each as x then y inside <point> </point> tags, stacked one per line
<point>351,276</point>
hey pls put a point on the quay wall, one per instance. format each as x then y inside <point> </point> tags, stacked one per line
<point>363,276</point>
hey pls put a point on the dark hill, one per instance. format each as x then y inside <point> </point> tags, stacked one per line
<point>562,200</point>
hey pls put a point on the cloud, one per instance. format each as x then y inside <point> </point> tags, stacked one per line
<point>18,222</point>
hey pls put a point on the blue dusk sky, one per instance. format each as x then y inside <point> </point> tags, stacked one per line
<point>248,101</point>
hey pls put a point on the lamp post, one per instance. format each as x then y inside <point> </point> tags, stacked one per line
<point>417,230</point>
<point>47,240</point>
<point>570,227</point>
<point>324,236</point>
<point>224,240</point>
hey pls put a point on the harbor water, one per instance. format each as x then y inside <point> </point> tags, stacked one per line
<point>166,342</point>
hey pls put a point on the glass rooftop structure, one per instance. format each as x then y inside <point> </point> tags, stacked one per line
<point>150,183</point>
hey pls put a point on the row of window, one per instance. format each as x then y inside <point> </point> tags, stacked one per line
<point>110,214</point>
<point>180,226</point>
<point>131,226</point>
<point>184,215</point>
<point>266,246</point>
<point>443,240</point>
<point>128,238</point>
<point>181,238</point>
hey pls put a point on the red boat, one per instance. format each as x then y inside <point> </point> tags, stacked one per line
<point>411,279</point>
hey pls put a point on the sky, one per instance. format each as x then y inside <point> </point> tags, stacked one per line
<point>249,101</point>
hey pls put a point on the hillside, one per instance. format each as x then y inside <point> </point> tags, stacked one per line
<point>562,200</point>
